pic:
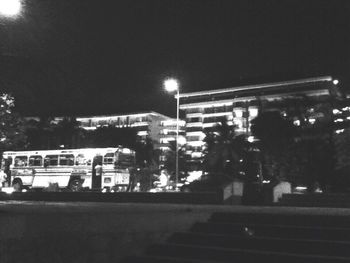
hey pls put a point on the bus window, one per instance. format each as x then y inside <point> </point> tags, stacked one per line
<point>108,158</point>
<point>51,160</point>
<point>35,160</point>
<point>82,160</point>
<point>125,160</point>
<point>21,161</point>
<point>67,159</point>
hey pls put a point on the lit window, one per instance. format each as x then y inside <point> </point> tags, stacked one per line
<point>253,112</point>
<point>21,161</point>
<point>296,123</point>
<point>67,159</point>
<point>35,160</point>
<point>51,160</point>
<point>238,123</point>
<point>312,120</point>
<point>108,158</point>
<point>238,113</point>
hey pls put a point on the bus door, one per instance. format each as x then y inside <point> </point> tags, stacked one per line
<point>96,172</point>
<point>6,168</point>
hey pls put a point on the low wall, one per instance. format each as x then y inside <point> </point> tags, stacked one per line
<point>123,197</point>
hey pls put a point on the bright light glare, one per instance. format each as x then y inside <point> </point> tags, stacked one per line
<point>171,85</point>
<point>10,7</point>
<point>181,140</point>
<point>251,139</point>
<point>335,82</point>
<point>8,190</point>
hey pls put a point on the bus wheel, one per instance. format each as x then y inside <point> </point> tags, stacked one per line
<point>75,185</point>
<point>17,185</point>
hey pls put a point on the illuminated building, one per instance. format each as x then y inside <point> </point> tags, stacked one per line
<point>158,127</point>
<point>151,124</point>
<point>239,105</point>
<point>168,135</point>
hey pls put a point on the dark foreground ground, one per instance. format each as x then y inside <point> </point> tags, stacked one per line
<point>104,232</point>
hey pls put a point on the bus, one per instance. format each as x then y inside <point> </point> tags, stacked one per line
<point>75,169</point>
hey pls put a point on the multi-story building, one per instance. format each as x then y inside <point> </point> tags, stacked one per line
<point>168,133</point>
<point>159,128</point>
<point>239,105</point>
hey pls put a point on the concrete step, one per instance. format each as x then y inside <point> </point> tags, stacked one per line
<point>299,246</point>
<point>157,259</point>
<point>236,255</point>
<point>281,219</point>
<point>274,231</point>
<point>316,200</point>
<point>314,204</point>
<point>118,197</point>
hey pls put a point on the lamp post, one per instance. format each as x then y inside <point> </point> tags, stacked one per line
<point>10,8</point>
<point>172,85</point>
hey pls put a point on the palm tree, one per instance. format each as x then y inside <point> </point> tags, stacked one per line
<point>171,160</point>
<point>107,136</point>
<point>68,132</point>
<point>224,150</point>
<point>12,125</point>
<point>276,137</point>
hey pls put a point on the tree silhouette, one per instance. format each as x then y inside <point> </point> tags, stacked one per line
<point>12,126</point>
<point>40,134</point>
<point>147,161</point>
<point>276,139</point>
<point>224,150</point>
<point>68,133</point>
<point>170,160</point>
<point>111,136</point>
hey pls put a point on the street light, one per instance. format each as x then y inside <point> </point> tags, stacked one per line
<point>10,8</point>
<point>172,85</point>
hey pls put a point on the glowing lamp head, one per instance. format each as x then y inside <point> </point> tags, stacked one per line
<point>335,82</point>
<point>10,8</point>
<point>171,85</point>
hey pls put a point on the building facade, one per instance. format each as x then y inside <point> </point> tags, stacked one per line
<point>239,105</point>
<point>159,128</point>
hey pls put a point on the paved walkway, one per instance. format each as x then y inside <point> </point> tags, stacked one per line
<point>105,232</point>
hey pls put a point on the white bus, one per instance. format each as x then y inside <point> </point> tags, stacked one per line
<point>75,169</point>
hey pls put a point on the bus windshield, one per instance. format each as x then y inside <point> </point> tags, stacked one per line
<point>125,160</point>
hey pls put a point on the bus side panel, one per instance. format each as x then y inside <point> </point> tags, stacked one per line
<point>43,177</point>
<point>122,178</point>
<point>41,181</point>
<point>26,176</point>
<point>112,178</point>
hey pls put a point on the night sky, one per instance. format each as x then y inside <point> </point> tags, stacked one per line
<point>84,57</point>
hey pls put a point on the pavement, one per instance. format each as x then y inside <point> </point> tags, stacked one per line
<point>105,232</point>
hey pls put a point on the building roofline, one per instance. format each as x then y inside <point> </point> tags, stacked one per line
<point>123,115</point>
<point>256,86</point>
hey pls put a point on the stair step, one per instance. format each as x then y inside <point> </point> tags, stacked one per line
<point>278,219</point>
<point>238,255</point>
<point>317,247</point>
<point>156,259</point>
<point>315,200</point>
<point>274,231</point>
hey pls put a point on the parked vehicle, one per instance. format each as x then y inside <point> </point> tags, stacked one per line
<point>75,169</point>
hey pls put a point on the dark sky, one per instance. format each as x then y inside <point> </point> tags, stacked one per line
<point>83,57</point>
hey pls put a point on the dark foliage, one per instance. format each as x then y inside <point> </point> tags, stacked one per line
<point>224,150</point>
